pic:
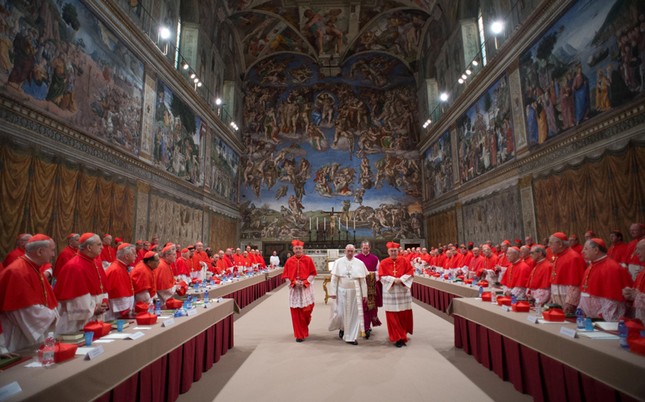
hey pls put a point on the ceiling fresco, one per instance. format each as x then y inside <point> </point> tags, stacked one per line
<point>331,32</point>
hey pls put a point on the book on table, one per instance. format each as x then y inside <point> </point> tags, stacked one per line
<point>71,338</point>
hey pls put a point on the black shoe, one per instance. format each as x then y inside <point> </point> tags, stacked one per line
<point>399,344</point>
<point>299,340</point>
<point>341,333</point>
<point>368,333</point>
<point>353,343</point>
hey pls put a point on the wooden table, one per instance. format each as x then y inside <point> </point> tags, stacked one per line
<point>541,362</point>
<point>158,366</point>
<point>439,294</point>
<point>274,278</point>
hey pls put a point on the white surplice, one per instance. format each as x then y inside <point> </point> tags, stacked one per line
<point>349,286</point>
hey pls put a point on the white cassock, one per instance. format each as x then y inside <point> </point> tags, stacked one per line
<point>349,286</point>
<point>274,261</point>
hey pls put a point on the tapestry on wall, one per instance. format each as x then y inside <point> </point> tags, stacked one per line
<point>485,137</point>
<point>58,58</point>
<point>589,62</point>
<point>177,139</point>
<point>496,217</point>
<point>331,156</point>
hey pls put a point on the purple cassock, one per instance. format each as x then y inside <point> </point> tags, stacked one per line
<point>374,292</point>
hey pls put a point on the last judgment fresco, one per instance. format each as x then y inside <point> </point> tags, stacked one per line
<point>330,154</point>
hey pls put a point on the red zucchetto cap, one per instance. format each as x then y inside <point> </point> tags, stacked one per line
<point>392,244</point>
<point>118,240</point>
<point>69,236</point>
<point>590,233</point>
<point>139,242</point>
<point>515,248</point>
<point>106,235</point>
<point>149,254</point>
<point>38,237</point>
<point>167,248</point>
<point>560,235</point>
<point>601,243</point>
<point>470,244</point>
<point>506,242</point>
<point>85,237</point>
<point>573,236</point>
<point>123,245</point>
<point>184,250</point>
<point>296,243</point>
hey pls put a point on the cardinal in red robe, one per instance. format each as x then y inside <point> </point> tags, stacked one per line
<point>300,271</point>
<point>81,287</point>
<point>397,275</point>
<point>120,287</point>
<point>601,291</point>
<point>27,301</point>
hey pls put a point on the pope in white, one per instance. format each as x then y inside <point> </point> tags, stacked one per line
<point>349,290</point>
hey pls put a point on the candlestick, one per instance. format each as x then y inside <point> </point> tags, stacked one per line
<point>354,220</point>
<point>324,223</point>
<point>316,223</point>
<point>310,223</point>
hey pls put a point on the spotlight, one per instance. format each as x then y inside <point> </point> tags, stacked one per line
<point>218,101</point>
<point>192,76</point>
<point>443,97</point>
<point>461,81</point>
<point>475,63</point>
<point>196,80</point>
<point>497,27</point>
<point>468,72</point>
<point>164,33</point>
<point>464,76</point>
<point>185,66</point>
<point>199,84</point>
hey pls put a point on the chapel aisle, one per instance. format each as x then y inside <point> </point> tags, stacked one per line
<point>267,364</point>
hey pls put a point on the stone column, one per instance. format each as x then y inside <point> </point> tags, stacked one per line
<point>528,207</point>
<point>142,218</point>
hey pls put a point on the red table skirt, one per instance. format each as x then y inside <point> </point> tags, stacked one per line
<point>530,372</point>
<point>248,295</point>
<point>274,282</point>
<point>434,297</point>
<point>175,372</point>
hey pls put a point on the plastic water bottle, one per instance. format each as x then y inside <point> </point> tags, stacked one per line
<point>151,308</point>
<point>158,307</point>
<point>206,298</point>
<point>622,334</point>
<point>513,299</point>
<point>580,318</point>
<point>481,291</point>
<point>47,355</point>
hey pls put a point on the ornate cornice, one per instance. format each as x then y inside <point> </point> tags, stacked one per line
<point>615,131</point>
<point>143,47</point>
<point>35,130</point>
<point>505,60</point>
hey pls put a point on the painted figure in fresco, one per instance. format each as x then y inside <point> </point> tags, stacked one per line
<point>602,92</point>
<point>317,138</point>
<point>581,94</point>
<point>23,57</point>
<point>567,107</point>
<point>325,105</point>
<point>317,26</point>
<point>366,176</point>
